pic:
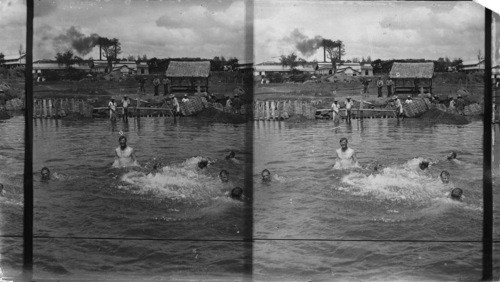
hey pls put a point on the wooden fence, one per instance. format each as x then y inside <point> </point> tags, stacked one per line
<point>56,108</point>
<point>279,110</point>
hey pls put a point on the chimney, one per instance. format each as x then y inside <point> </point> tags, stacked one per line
<point>100,53</point>
<point>324,52</point>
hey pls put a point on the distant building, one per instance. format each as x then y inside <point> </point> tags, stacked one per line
<point>366,70</point>
<point>473,66</point>
<point>410,77</point>
<point>14,61</point>
<point>245,67</point>
<point>188,76</point>
<point>350,69</point>
<point>268,69</point>
<point>42,67</point>
<point>142,68</point>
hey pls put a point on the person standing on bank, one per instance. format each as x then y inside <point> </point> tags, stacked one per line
<point>389,84</point>
<point>125,104</point>
<point>112,109</point>
<point>348,106</point>
<point>156,84</point>
<point>380,85</point>
<point>166,86</point>
<point>335,111</point>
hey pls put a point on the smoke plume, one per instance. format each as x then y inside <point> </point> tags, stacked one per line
<point>74,39</point>
<point>306,46</point>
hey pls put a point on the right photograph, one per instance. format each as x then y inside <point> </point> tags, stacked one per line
<point>368,133</point>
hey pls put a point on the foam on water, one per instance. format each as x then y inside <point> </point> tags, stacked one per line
<point>183,182</point>
<point>403,183</point>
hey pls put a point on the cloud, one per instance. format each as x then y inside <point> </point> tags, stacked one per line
<point>13,12</point>
<point>44,8</point>
<point>378,29</point>
<point>204,30</point>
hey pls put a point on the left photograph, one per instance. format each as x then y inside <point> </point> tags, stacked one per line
<point>142,149</point>
<point>12,124</point>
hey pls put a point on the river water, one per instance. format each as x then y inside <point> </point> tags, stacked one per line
<point>93,221</point>
<point>313,222</point>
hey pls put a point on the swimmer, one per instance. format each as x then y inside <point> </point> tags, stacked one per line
<point>45,172</point>
<point>423,165</point>
<point>125,155</point>
<point>456,194</point>
<point>346,157</point>
<point>451,156</point>
<point>224,175</point>
<point>236,193</point>
<point>203,164</point>
<point>445,176</point>
<point>231,155</point>
<point>266,175</point>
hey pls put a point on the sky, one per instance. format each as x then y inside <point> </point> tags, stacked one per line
<point>209,28</point>
<point>379,29</point>
<point>188,28</point>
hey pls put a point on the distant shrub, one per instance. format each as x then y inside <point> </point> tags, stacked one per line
<point>275,77</point>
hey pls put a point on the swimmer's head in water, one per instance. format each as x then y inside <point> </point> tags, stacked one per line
<point>123,141</point>
<point>266,175</point>
<point>202,164</point>
<point>224,175</point>
<point>231,155</point>
<point>45,172</point>
<point>445,176</point>
<point>236,193</point>
<point>1,188</point>
<point>456,194</point>
<point>343,143</point>
<point>423,165</point>
<point>452,155</point>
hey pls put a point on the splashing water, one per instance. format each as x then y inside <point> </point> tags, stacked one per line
<point>405,182</point>
<point>182,182</point>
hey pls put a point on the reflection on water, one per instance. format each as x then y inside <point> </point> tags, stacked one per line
<point>309,199</point>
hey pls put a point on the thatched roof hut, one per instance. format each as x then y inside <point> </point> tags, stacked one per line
<point>188,69</point>
<point>412,70</point>
<point>412,77</point>
<point>188,75</point>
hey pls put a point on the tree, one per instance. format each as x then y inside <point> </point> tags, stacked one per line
<point>440,65</point>
<point>216,64</point>
<point>130,58</point>
<point>67,58</point>
<point>232,63</point>
<point>2,56</point>
<point>110,49</point>
<point>290,61</point>
<point>335,50</point>
<point>456,64</point>
<point>21,50</point>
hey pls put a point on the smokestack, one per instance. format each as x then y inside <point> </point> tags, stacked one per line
<point>324,52</point>
<point>100,53</point>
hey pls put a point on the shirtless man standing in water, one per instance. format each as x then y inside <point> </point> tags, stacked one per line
<point>125,155</point>
<point>346,157</point>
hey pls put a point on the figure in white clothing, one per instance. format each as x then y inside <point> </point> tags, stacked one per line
<point>346,157</point>
<point>124,155</point>
<point>335,113</point>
